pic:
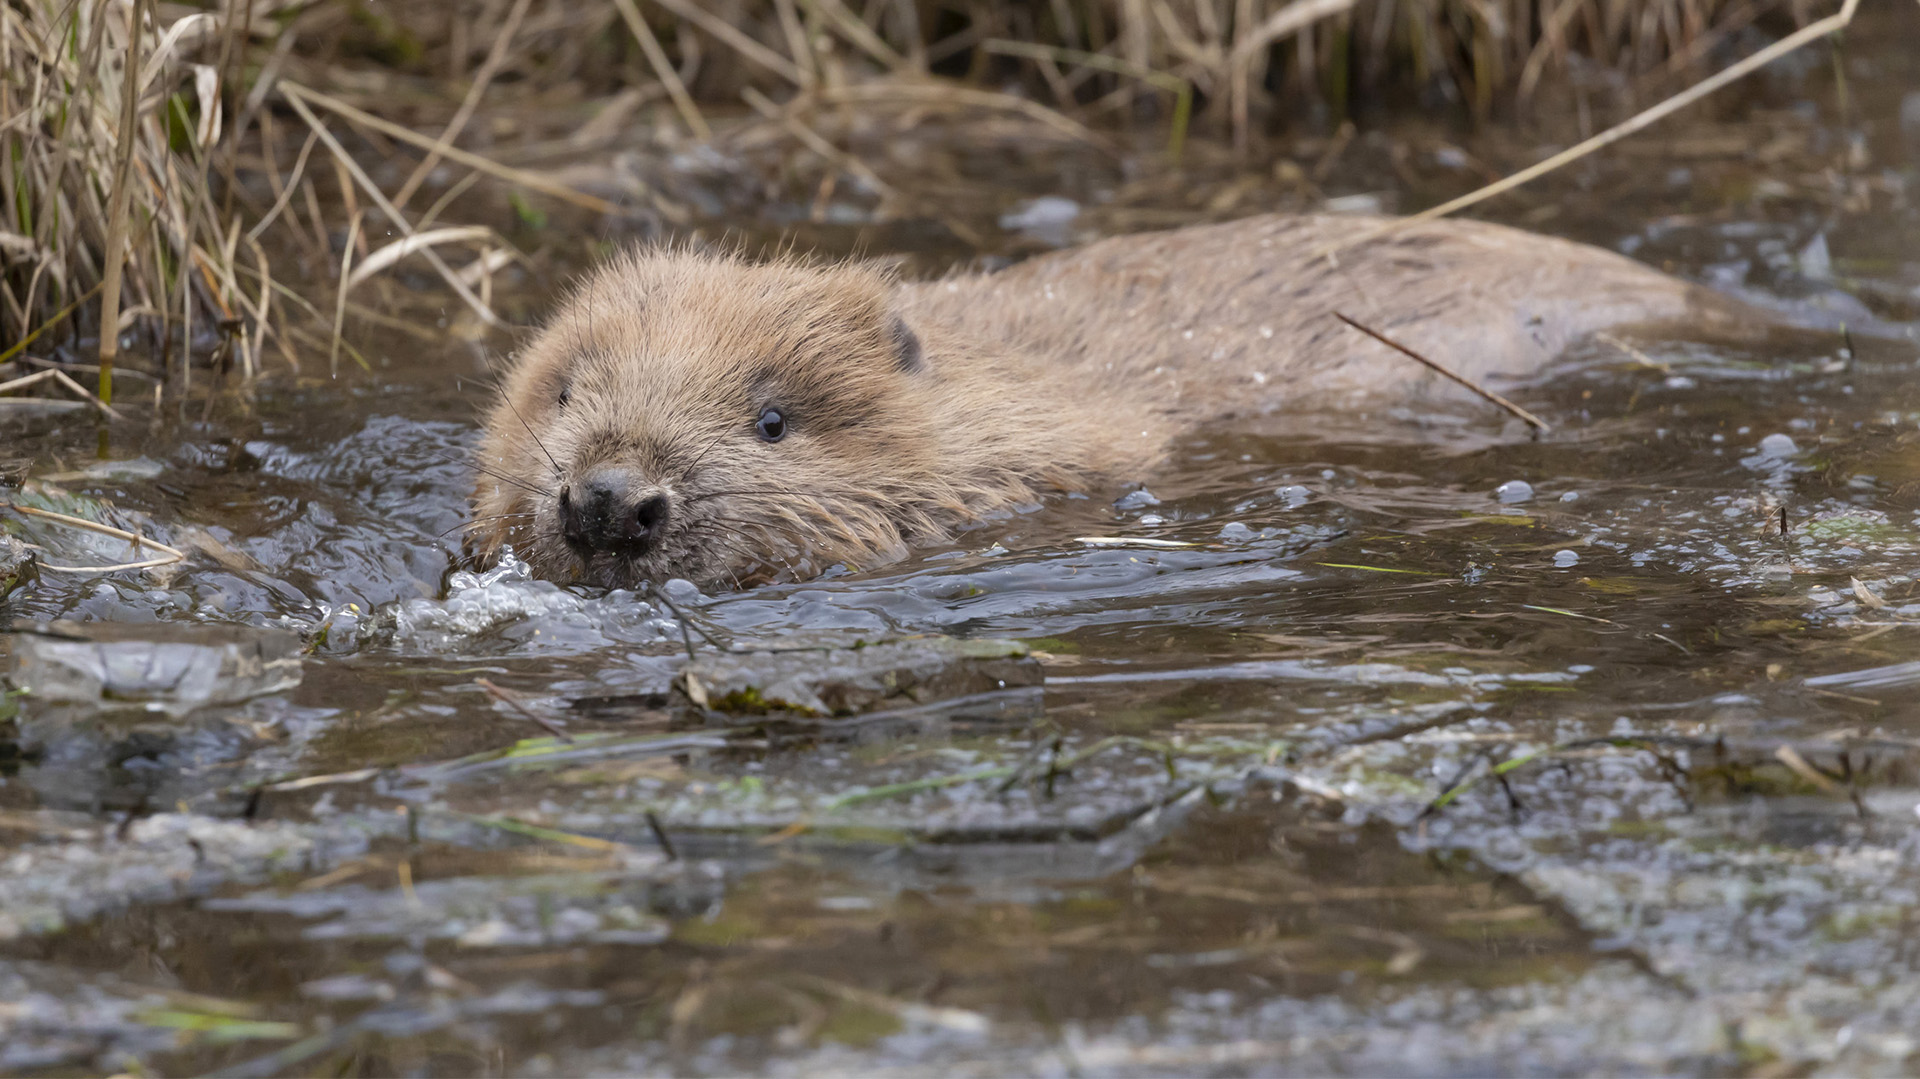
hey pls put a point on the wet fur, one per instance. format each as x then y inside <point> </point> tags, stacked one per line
<point>915,408</point>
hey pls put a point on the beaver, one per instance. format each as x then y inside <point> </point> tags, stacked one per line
<point>703,415</point>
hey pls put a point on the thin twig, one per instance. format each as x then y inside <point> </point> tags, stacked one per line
<point>1638,355</point>
<point>938,94</point>
<point>169,555</point>
<point>814,141</point>
<point>506,697</point>
<point>741,43</point>
<point>1538,423</point>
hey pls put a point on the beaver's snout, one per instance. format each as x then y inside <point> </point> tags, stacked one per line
<point>610,511</point>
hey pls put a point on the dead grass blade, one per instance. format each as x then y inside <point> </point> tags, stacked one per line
<point>392,253</point>
<point>663,69</point>
<point>360,177</point>
<point>531,180</point>
<point>481,79</point>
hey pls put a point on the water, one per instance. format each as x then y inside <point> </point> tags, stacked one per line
<point>1391,743</point>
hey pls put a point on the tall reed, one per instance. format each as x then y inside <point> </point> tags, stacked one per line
<point>132,131</point>
<point>115,126</point>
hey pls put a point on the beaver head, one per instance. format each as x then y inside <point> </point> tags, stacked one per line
<point>701,416</point>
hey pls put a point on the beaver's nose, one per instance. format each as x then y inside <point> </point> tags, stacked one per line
<point>610,511</point>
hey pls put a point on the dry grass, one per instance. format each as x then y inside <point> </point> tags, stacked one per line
<point>242,91</point>
<point>86,207</point>
<point>1251,62</point>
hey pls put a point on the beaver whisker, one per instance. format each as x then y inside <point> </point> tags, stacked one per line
<point>768,543</point>
<point>702,455</point>
<point>837,516</point>
<point>478,521</point>
<point>714,533</point>
<point>703,496</point>
<point>557,472</point>
<point>504,478</point>
<point>484,470</point>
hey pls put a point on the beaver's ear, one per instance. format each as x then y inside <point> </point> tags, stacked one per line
<point>906,348</point>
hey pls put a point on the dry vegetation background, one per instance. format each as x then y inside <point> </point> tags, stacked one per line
<point>283,153</point>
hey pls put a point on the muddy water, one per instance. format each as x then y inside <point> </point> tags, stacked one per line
<point>1397,743</point>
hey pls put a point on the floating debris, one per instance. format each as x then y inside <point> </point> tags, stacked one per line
<point>843,681</point>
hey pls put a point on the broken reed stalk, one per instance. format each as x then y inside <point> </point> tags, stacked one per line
<point>1440,368</point>
<point>125,136</point>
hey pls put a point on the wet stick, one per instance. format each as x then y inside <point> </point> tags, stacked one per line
<point>63,379</point>
<point>116,252</point>
<point>507,697</point>
<point>1538,423</point>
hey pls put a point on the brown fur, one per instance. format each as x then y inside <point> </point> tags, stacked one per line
<point>1059,373</point>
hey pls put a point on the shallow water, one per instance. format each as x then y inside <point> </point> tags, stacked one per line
<point>1393,767</point>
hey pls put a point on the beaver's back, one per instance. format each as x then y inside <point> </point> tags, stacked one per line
<point>1221,318</point>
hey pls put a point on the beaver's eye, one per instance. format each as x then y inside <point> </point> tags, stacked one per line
<point>566,395</point>
<point>771,425</point>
